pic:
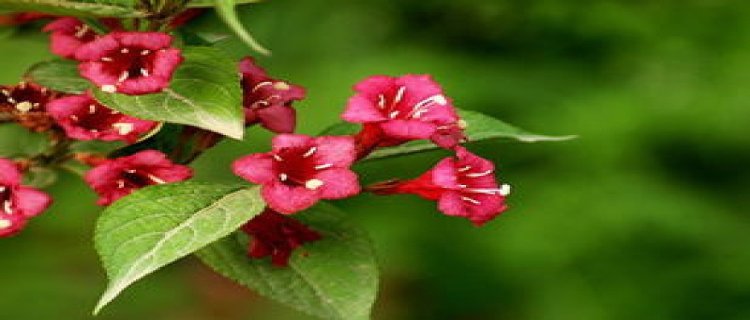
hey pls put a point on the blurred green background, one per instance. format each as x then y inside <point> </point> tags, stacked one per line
<point>645,216</point>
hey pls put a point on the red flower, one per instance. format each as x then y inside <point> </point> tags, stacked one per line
<point>276,235</point>
<point>67,35</point>
<point>301,170</point>
<point>113,179</point>
<point>84,118</point>
<point>464,187</point>
<point>268,101</point>
<point>18,203</point>
<point>410,107</point>
<point>130,62</point>
<point>27,103</point>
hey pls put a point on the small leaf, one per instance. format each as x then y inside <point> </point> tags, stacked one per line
<point>158,225</point>
<point>205,93</point>
<point>480,127</point>
<point>333,278</point>
<point>101,8</point>
<point>226,11</point>
<point>58,75</point>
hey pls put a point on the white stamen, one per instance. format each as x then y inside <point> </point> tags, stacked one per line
<point>310,152</point>
<point>479,174</point>
<point>107,59</point>
<point>283,177</point>
<point>505,190</point>
<point>381,101</point>
<point>394,114</point>
<point>474,201</point>
<point>124,50</point>
<point>156,179</point>
<point>24,106</point>
<point>92,109</point>
<point>120,184</point>
<point>123,128</point>
<point>2,188</point>
<point>461,124</point>
<point>81,31</point>
<point>399,95</point>
<point>4,223</point>
<point>109,88</point>
<point>124,76</point>
<point>283,86</point>
<point>145,52</point>
<point>323,166</point>
<point>278,158</point>
<point>464,169</point>
<point>261,85</point>
<point>7,206</point>
<point>463,186</point>
<point>5,92</point>
<point>314,184</point>
<point>424,105</point>
<point>489,191</point>
<point>74,117</point>
<point>130,171</point>
<point>144,72</point>
<point>11,100</point>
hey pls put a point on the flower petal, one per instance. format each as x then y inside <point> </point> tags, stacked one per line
<point>31,202</point>
<point>278,118</point>
<point>289,141</point>
<point>9,173</point>
<point>256,168</point>
<point>287,199</point>
<point>337,151</point>
<point>338,184</point>
<point>408,129</point>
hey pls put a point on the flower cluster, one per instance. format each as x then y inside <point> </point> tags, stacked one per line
<point>299,170</point>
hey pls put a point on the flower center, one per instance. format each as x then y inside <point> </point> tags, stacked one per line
<point>98,118</point>
<point>6,200</point>
<point>129,63</point>
<point>473,188</point>
<point>265,93</point>
<point>299,167</point>
<point>393,105</point>
<point>24,97</point>
<point>134,178</point>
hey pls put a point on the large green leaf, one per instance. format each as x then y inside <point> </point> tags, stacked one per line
<point>205,93</point>
<point>58,75</point>
<point>158,225</point>
<point>333,278</point>
<point>480,127</point>
<point>101,8</point>
<point>226,11</point>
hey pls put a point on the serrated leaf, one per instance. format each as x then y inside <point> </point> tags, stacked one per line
<point>333,278</point>
<point>212,3</point>
<point>58,75</point>
<point>226,11</point>
<point>101,8</point>
<point>204,92</point>
<point>480,127</point>
<point>158,225</point>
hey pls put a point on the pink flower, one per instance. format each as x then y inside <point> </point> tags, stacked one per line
<point>27,102</point>
<point>130,62</point>
<point>410,107</point>
<point>113,179</point>
<point>276,235</point>
<point>301,170</point>
<point>84,118</point>
<point>18,203</point>
<point>464,186</point>
<point>67,35</point>
<point>268,101</point>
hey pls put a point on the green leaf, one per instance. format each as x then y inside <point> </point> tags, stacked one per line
<point>333,278</point>
<point>158,225</point>
<point>480,127</point>
<point>100,8</point>
<point>205,93</point>
<point>212,3</point>
<point>58,75</point>
<point>226,11</point>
